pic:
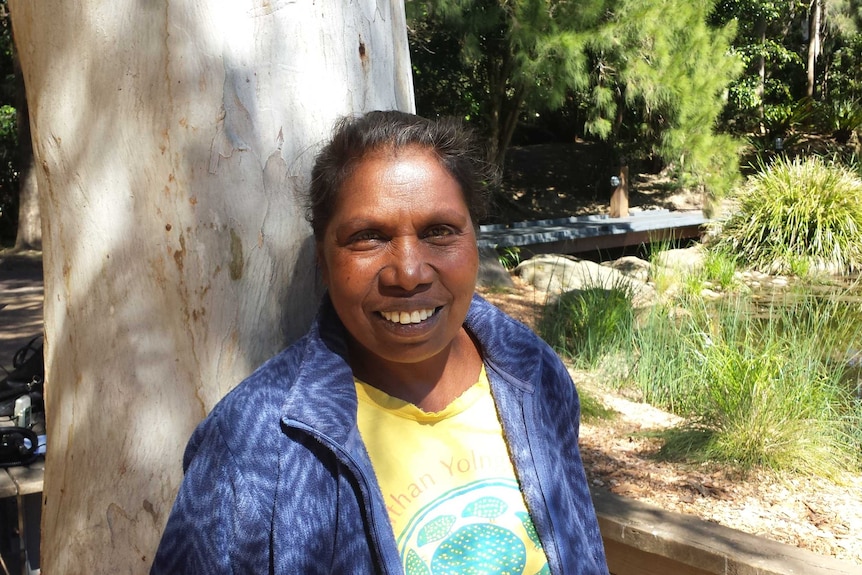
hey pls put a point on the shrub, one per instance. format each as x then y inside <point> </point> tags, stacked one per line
<point>798,214</point>
<point>844,117</point>
<point>589,323</point>
<point>509,257</point>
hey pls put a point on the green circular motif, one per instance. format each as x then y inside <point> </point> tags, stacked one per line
<point>471,530</point>
<point>480,549</point>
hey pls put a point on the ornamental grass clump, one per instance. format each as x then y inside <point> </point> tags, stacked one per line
<point>798,215</point>
<point>590,323</point>
<point>761,387</point>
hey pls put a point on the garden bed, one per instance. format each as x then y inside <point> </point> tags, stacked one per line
<point>810,513</point>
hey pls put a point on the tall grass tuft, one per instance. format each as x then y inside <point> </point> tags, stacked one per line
<point>589,323</point>
<point>667,343</point>
<point>760,389</point>
<point>800,214</point>
<point>720,266</point>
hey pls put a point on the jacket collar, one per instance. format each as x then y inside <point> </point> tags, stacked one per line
<point>323,397</point>
<point>507,346</point>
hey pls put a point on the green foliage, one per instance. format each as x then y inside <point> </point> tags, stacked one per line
<point>720,267</point>
<point>502,54</point>
<point>589,323</point>
<point>770,44</point>
<point>639,76</point>
<point>8,133</point>
<point>509,257</point>
<point>444,84</point>
<point>845,82</point>
<point>800,210</point>
<point>773,40</point>
<point>667,342</point>
<point>842,117</point>
<point>718,271</point>
<point>780,120</point>
<point>787,123</point>
<point>592,409</point>
<point>8,167</point>
<point>760,382</point>
<point>661,81</point>
<point>760,389</point>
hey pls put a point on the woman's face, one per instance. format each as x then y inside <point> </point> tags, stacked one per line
<point>399,257</point>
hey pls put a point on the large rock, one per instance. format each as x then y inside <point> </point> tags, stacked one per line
<point>559,273</point>
<point>491,271</point>
<point>632,266</point>
<point>682,259</point>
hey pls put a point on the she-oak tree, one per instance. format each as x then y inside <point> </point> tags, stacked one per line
<point>170,140</point>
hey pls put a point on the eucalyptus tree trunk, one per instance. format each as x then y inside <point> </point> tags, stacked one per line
<point>760,31</point>
<point>29,232</point>
<point>170,141</point>
<point>814,43</point>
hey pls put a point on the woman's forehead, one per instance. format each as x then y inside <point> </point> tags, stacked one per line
<point>414,170</point>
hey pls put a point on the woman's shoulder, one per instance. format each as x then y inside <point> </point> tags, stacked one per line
<point>248,418</point>
<point>266,388</point>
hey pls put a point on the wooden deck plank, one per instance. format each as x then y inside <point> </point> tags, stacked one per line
<point>589,233</point>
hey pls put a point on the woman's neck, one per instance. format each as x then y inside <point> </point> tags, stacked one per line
<point>431,384</point>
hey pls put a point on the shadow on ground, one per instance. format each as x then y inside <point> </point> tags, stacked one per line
<point>21,298</point>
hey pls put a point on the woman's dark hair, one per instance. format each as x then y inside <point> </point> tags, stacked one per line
<point>354,138</point>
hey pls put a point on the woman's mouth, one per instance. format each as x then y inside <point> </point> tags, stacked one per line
<point>408,317</point>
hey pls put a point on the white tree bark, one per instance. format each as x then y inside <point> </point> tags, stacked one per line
<point>170,140</point>
<point>814,43</point>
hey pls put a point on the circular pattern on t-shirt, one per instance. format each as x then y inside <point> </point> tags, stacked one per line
<point>476,529</point>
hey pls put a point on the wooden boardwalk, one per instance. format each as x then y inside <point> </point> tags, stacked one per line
<point>593,233</point>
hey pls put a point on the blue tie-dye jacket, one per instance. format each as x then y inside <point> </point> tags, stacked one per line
<point>277,479</point>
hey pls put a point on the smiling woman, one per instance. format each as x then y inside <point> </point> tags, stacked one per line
<point>415,428</point>
<point>399,259</point>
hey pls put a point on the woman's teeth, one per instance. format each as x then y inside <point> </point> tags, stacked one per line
<point>404,317</point>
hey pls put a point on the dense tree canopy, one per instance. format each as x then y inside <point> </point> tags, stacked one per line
<point>796,52</point>
<point>489,58</point>
<point>658,86</point>
<point>682,81</point>
<point>637,75</point>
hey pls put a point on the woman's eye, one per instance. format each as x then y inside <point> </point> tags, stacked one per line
<point>439,232</point>
<point>365,237</point>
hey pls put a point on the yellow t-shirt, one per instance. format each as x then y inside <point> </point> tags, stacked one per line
<point>449,485</point>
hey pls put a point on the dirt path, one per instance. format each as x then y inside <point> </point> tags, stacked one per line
<point>21,297</point>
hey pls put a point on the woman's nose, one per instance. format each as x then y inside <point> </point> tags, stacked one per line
<point>408,267</point>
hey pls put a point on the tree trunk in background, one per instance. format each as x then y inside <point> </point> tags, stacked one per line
<point>170,142</point>
<point>761,72</point>
<point>29,233</point>
<point>814,18</point>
